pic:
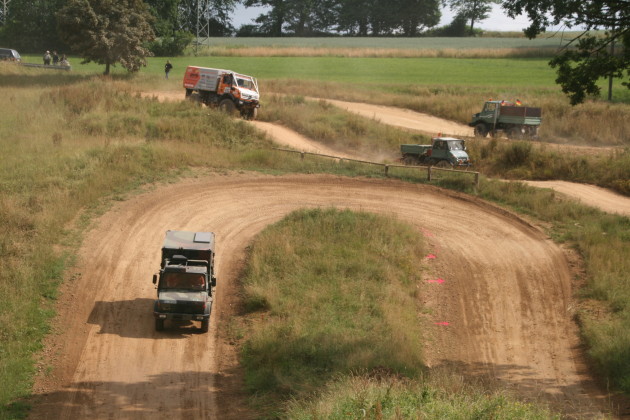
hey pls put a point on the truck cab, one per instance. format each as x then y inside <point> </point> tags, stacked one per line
<point>186,281</point>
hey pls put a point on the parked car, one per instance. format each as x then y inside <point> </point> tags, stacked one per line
<point>9,54</point>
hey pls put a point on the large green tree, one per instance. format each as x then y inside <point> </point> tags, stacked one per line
<point>31,25</point>
<point>473,10</point>
<point>107,31</point>
<point>591,55</point>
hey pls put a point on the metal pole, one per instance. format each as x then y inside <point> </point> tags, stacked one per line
<point>5,11</point>
<point>612,53</point>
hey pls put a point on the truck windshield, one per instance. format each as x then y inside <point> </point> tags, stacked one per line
<point>456,145</point>
<point>245,83</point>
<point>183,281</point>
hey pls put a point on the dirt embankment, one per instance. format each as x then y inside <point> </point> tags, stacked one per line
<point>506,298</point>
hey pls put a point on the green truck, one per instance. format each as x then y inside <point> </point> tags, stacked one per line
<point>442,152</point>
<point>186,281</point>
<point>516,121</point>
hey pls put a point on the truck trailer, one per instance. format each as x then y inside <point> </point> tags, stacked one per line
<point>516,121</point>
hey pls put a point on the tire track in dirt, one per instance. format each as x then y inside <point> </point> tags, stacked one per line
<point>506,296</point>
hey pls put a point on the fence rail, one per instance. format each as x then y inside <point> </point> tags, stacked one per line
<point>386,166</point>
<point>47,66</point>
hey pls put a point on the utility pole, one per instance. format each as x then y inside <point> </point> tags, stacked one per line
<point>5,11</point>
<point>612,54</point>
<point>203,24</point>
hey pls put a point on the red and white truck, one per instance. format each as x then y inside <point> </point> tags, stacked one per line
<point>228,90</point>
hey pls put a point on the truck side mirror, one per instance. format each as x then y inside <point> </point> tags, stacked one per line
<point>155,279</point>
<point>213,281</point>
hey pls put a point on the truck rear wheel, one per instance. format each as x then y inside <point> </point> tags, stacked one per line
<point>159,324</point>
<point>227,106</point>
<point>481,130</point>
<point>205,325</point>
<point>516,133</point>
<point>194,97</point>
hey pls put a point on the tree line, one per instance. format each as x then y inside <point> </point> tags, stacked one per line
<point>32,25</point>
<point>128,31</point>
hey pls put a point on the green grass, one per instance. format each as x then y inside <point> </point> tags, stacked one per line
<point>441,397</point>
<point>391,71</point>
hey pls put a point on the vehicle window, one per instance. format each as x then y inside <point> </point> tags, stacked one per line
<point>490,107</point>
<point>457,145</point>
<point>183,281</point>
<point>244,83</point>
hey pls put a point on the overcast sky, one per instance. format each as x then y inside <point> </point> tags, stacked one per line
<point>497,21</point>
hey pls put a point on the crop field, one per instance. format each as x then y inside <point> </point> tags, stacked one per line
<point>552,42</point>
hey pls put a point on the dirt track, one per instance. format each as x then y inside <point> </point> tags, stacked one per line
<point>506,296</point>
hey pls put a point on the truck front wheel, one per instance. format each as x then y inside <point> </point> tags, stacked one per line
<point>227,106</point>
<point>159,324</point>
<point>481,130</point>
<point>205,325</point>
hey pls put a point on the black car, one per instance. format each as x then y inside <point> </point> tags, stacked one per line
<point>9,54</point>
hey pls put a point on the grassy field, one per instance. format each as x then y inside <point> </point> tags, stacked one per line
<point>360,70</point>
<point>72,142</point>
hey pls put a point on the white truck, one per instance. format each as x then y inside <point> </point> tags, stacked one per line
<point>228,90</point>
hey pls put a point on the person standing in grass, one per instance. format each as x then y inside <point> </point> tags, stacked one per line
<point>167,68</point>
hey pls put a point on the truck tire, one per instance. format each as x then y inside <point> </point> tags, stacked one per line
<point>194,97</point>
<point>205,325</point>
<point>410,160</point>
<point>517,133</point>
<point>481,130</point>
<point>444,164</point>
<point>227,106</point>
<point>159,324</point>
<point>251,114</point>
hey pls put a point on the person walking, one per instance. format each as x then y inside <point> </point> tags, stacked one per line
<point>55,58</point>
<point>47,58</point>
<point>167,68</point>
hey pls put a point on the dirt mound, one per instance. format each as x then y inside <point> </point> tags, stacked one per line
<point>503,310</point>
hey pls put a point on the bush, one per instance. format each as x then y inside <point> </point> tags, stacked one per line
<point>170,46</point>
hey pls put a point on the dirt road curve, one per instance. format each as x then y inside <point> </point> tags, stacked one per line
<point>406,118</point>
<point>506,297</point>
<point>589,195</point>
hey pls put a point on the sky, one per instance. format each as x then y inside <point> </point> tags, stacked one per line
<point>497,21</point>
